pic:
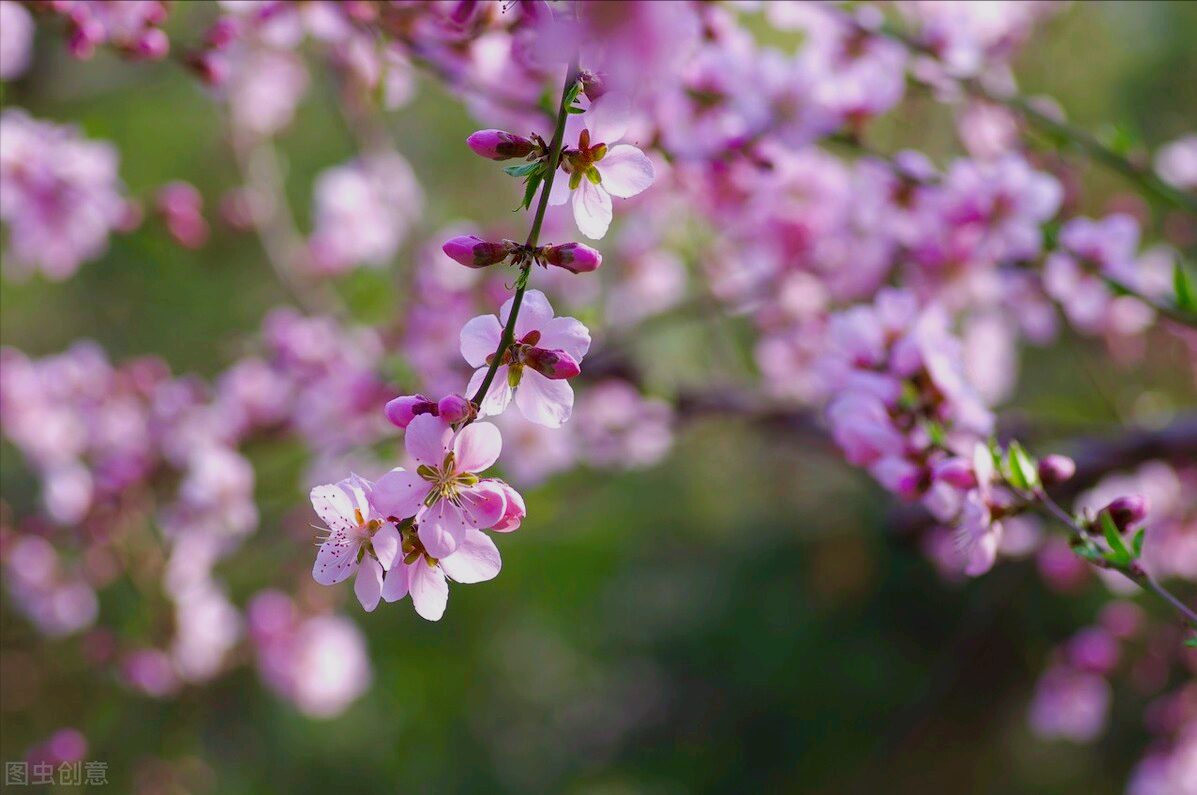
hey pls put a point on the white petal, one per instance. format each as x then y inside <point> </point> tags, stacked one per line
<point>480,338</point>
<point>386,544</point>
<point>544,401</point>
<point>334,506</point>
<point>607,119</point>
<point>498,396</point>
<point>336,560</point>
<point>567,334</point>
<point>429,590</point>
<point>368,585</point>
<point>535,314</point>
<point>626,171</point>
<point>394,587</point>
<point>592,210</point>
<point>476,560</point>
<point>560,192</point>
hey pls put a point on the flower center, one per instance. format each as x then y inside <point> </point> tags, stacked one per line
<point>447,482</point>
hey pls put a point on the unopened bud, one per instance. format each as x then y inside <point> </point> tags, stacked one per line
<point>554,364</point>
<point>1055,469</point>
<point>474,252</point>
<point>516,510</point>
<point>499,145</point>
<point>153,45</point>
<point>402,410</point>
<point>453,408</point>
<point>1128,510</point>
<point>957,472</point>
<point>574,257</point>
<point>593,85</point>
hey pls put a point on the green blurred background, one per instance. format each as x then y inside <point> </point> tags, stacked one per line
<point>735,620</point>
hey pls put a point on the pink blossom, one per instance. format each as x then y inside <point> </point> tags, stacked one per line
<point>542,398</point>
<point>444,495</point>
<point>598,169</point>
<point>357,534</point>
<point>1070,704</point>
<point>425,578</point>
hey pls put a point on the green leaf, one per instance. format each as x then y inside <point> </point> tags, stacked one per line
<point>1024,474</point>
<point>1119,555</point>
<point>574,109</point>
<point>522,170</point>
<point>1191,641</point>
<point>1186,298</point>
<point>1137,544</point>
<point>530,190</point>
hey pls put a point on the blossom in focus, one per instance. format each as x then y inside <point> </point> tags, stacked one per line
<point>599,170</point>
<point>426,578</point>
<point>444,495</point>
<point>534,366</point>
<point>358,540</point>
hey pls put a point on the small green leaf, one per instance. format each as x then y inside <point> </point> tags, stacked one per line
<point>522,170</point>
<point>1119,555</point>
<point>1024,474</point>
<point>936,432</point>
<point>1191,641</point>
<point>530,190</point>
<point>574,109</point>
<point>1137,544</point>
<point>1186,298</point>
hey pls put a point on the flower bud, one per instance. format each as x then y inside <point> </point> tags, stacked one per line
<point>554,364</point>
<point>453,408</point>
<point>1126,511</point>
<point>402,410</point>
<point>499,145</point>
<point>474,252</point>
<point>152,45</point>
<point>515,513</point>
<point>1055,469</point>
<point>574,257</point>
<point>957,472</point>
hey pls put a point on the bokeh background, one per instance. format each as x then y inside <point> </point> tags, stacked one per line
<point>741,617</point>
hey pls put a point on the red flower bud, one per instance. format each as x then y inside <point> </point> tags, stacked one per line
<point>574,257</point>
<point>499,145</point>
<point>474,252</point>
<point>453,408</point>
<point>1128,510</point>
<point>554,364</point>
<point>402,410</point>
<point>1055,469</point>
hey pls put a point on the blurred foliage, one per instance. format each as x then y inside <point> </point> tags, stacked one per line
<point>736,620</point>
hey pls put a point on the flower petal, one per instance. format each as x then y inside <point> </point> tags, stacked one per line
<point>441,528</point>
<point>394,587</point>
<point>429,590</point>
<point>592,210</point>
<point>567,334</point>
<point>498,395</point>
<point>535,313</point>
<point>480,338</point>
<point>334,506</point>
<point>428,439</point>
<point>476,560</point>
<point>560,192</point>
<point>386,544</point>
<point>368,585</point>
<point>483,505</point>
<point>607,119</point>
<point>336,560</point>
<point>544,401</point>
<point>626,171</point>
<point>399,493</point>
<point>477,447</point>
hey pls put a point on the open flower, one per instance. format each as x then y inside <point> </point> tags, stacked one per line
<point>426,578</point>
<point>545,351</point>
<point>359,539</point>
<point>444,495</point>
<point>597,170</point>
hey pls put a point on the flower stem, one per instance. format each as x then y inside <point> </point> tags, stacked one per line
<point>521,284</point>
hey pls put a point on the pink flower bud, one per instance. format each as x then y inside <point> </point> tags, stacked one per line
<point>222,33</point>
<point>1055,469</point>
<point>474,252</point>
<point>453,408</point>
<point>554,364</point>
<point>957,472</point>
<point>1128,510</point>
<point>499,145</point>
<point>402,410</point>
<point>515,513</point>
<point>574,257</point>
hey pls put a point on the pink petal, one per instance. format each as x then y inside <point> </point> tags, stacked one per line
<point>498,396</point>
<point>441,528</point>
<point>560,193</point>
<point>607,119</point>
<point>592,210</point>
<point>399,493</point>
<point>535,313</point>
<point>483,505</point>
<point>476,560</point>
<point>394,587</point>
<point>336,560</point>
<point>428,440</point>
<point>386,544</point>
<point>544,401</point>
<point>477,447</point>
<point>334,507</point>
<point>567,334</point>
<point>368,585</point>
<point>479,339</point>
<point>626,171</point>
<point>429,590</point>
